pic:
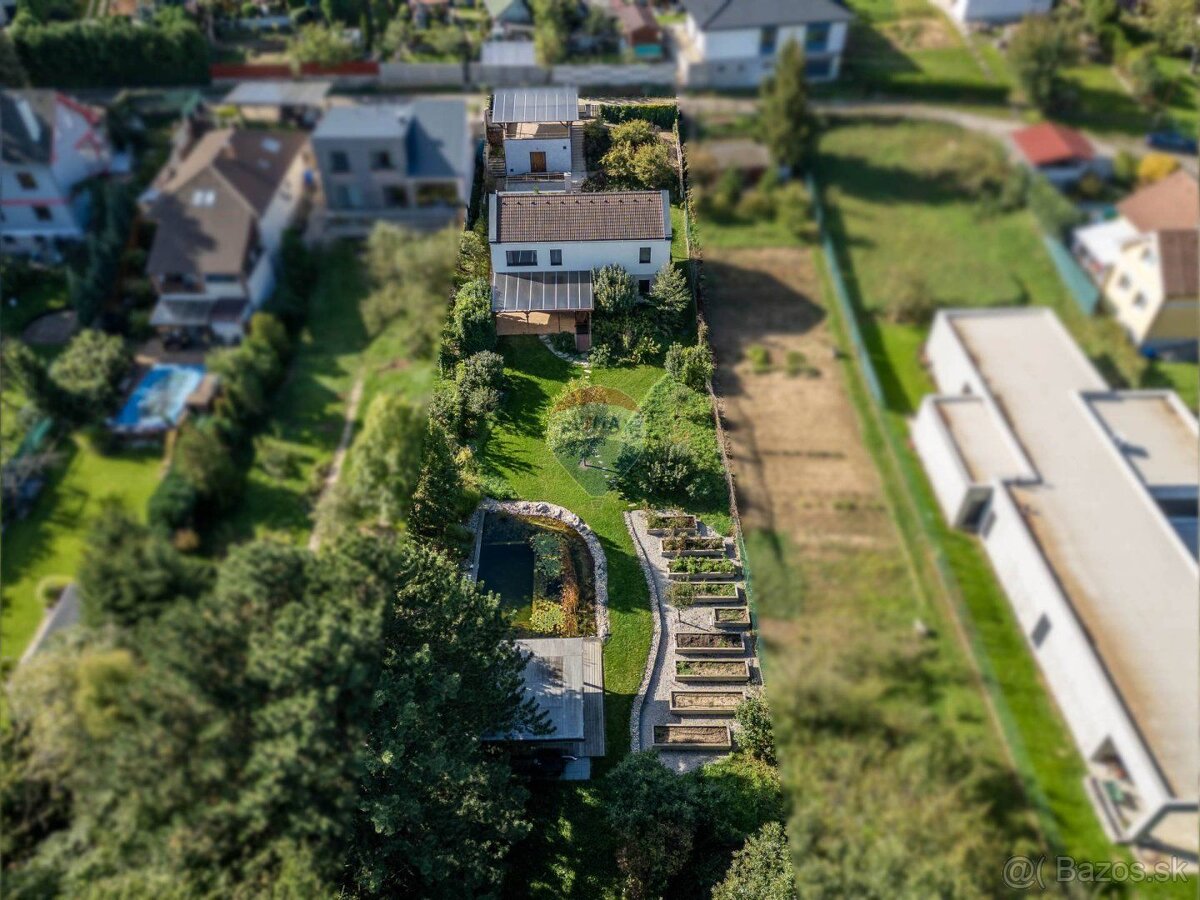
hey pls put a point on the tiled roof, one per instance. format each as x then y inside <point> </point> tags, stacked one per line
<point>609,216</point>
<point>541,291</point>
<point>1179,259</point>
<point>1172,203</point>
<point>1049,143</point>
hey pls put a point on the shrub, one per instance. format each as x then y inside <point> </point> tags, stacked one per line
<point>478,383</point>
<point>323,45</point>
<point>203,460</point>
<point>471,326</point>
<point>637,159</point>
<point>761,869</point>
<point>614,289</point>
<point>1125,168</point>
<point>384,462</point>
<point>794,209</point>
<point>911,301</point>
<point>578,431</point>
<point>1054,212</point>
<point>757,735</point>
<point>1155,167</point>
<point>759,358</point>
<point>50,588</point>
<point>671,297</point>
<point>692,366</point>
<point>172,505</point>
<point>87,375</point>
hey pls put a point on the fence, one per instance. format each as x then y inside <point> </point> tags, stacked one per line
<point>1074,278</point>
<point>454,74</point>
<point>928,550</point>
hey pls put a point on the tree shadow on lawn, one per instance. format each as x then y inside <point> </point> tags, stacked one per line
<point>738,297</point>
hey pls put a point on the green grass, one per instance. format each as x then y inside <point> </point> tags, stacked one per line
<point>678,234</point>
<point>51,540</point>
<point>868,221</point>
<point>309,410</point>
<point>1182,377</point>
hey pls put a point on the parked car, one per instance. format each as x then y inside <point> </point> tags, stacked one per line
<point>1171,141</point>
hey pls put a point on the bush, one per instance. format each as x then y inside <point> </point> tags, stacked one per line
<point>384,461</point>
<point>1054,212</point>
<point>471,326</point>
<point>204,462</point>
<point>172,506</point>
<point>1125,168</point>
<point>757,736</point>
<point>664,115</point>
<point>50,588</point>
<point>87,375</point>
<point>762,869</point>
<point>1155,167</point>
<point>637,159</point>
<point>692,366</point>
<point>912,301</point>
<point>671,297</point>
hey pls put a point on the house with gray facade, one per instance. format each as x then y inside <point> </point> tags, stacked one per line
<point>408,163</point>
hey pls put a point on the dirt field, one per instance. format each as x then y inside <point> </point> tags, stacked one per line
<point>799,461</point>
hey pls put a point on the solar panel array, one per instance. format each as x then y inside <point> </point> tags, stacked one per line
<point>542,292</point>
<point>546,104</point>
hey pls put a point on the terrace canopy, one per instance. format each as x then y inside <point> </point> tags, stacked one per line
<point>551,104</point>
<point>542,292</point>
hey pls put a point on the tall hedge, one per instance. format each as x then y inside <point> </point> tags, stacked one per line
<point>664,115</point>
<point>111,53</point>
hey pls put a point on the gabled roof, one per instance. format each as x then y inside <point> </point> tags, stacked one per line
<point>1179,262</point>
<point>1048,143</point>
<point>1172,203</point>
<point>547,104</point>
<point>27,126</point>
<point>726,15</point>
<point>633,17</point>
<point>206,209</point>
<point>608,216</point>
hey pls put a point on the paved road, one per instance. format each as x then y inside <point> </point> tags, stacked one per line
<point>999,127</point>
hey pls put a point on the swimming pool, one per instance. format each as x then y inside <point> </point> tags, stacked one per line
<point>158,399</point>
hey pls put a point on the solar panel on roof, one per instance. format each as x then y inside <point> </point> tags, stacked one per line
<point>553,104</point>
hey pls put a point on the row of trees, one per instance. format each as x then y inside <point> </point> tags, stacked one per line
<point>285,723</point>
<point>112,52</point>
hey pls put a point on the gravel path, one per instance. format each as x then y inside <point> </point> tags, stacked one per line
<point>652,706</point>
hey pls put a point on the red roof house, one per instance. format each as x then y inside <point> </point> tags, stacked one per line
<point>1051,144</point>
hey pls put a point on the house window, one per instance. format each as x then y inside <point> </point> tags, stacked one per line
<point>347,196</point>
<point>818,68</point>
<point>1139,300</point>
<point>220,279</point>
<point>521,257</point>
<point>1040,631</point>
<point>816,37</point>
<point>42,213</point>
<point>770,35</point>
<point>381,159</point>
<point>339,162</point>
<point>27,181</point>
<point>556,257</point>
<point>644,286</point>
<point>644,255</point>
<point>394,195</point>
<point>988,521</point>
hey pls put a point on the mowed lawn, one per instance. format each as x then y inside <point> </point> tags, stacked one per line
<point>51,540</point>
<point>308,413</point>
<point>875,182</point>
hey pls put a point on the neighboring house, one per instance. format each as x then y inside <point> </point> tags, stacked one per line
<point>289,102</point>
<point>640,33</point>
<point>565,679</point>
<point>1145,262</point>
<point>220,213</point>
<point>508,13</point>
<point>545,246</point>
<point>51,145</point>
<point>409,163</point>
<point>992,11</point>
<point>1085,500</point>
<point>734,43</point>
<point>541,134</point>
<point>1061,154</point>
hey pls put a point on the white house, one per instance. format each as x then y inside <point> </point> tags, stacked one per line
<point>1085,500</point>
<point>734,43</point>
<point>220,213</point>
<point>51,145</point>
<point>545,246</point>
<point>541,135</point>
<point>992,11</point>
<point>1146,263</point>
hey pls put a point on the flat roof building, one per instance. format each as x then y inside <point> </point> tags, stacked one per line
<point>1085,499</point>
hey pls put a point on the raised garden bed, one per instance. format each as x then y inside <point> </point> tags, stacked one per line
<point>690,545</point>
<point>706,703</point>
<point>727,671</point>
<point>689,568</point>
<point>708,642</point>
<point>731,617</point>
<point>660,523</point>
<point>693,737</point>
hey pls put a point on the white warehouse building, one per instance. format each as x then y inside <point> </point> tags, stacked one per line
<point>1085,499</point>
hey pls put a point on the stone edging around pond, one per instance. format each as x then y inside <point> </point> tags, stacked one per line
<point>559,514</point>
<point>639,701</point>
